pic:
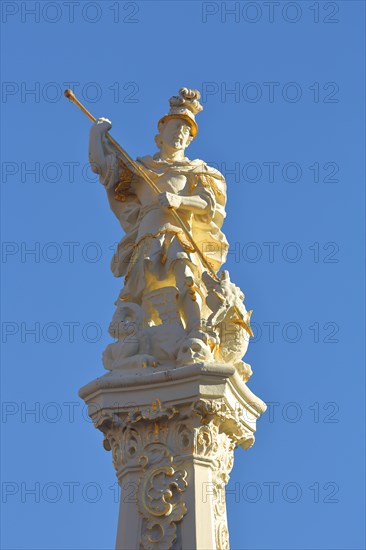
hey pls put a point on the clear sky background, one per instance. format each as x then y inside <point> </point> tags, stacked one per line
<point>290,141</point>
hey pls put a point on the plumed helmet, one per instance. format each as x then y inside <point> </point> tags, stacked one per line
<point>185,105</point>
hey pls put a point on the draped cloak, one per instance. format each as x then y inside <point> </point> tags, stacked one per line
<point>158,249</point>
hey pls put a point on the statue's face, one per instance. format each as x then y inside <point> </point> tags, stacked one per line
<point>176,134</point>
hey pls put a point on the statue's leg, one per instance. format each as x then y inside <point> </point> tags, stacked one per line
<point>189,300</point>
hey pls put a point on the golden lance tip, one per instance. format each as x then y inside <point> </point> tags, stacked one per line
<point>69,94</point>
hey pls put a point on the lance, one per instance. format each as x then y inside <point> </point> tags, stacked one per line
<point>141,172</point>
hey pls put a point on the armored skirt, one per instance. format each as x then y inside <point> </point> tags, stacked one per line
<point>152,263</point>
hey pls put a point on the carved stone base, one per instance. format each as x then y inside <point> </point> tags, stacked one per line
<point>172,434</point>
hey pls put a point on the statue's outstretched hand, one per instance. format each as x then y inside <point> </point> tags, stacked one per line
<point>103,125</point>
<point>169,200</point>
<point>100,149</point>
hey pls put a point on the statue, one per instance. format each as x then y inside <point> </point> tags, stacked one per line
<point>173,308</point>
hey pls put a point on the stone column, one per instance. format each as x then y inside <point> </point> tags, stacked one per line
<point>172,434</point>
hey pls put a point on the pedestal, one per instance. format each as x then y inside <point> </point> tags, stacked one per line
<point>172,434</point>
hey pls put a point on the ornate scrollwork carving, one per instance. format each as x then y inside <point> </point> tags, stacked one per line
<point>222,536</point>
<point>221,431</point>
<point>157,440</point>
<point>207,408</point>
<point>160,497</point>
<point>230,420</point>
<point>184,437</point>
<point>207,441</point>
<point>155,412</point>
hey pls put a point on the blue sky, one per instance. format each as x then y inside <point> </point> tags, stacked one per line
<point>283,118</point>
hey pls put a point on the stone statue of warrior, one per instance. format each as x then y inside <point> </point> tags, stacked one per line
<point>169,296</point>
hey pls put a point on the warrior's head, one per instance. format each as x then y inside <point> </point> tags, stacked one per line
<point>178,128</point>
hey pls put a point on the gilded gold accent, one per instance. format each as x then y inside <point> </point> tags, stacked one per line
<point>245,323</point>
<point>123,187</point>
<point>192,123</point>
<point>121,198</point>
